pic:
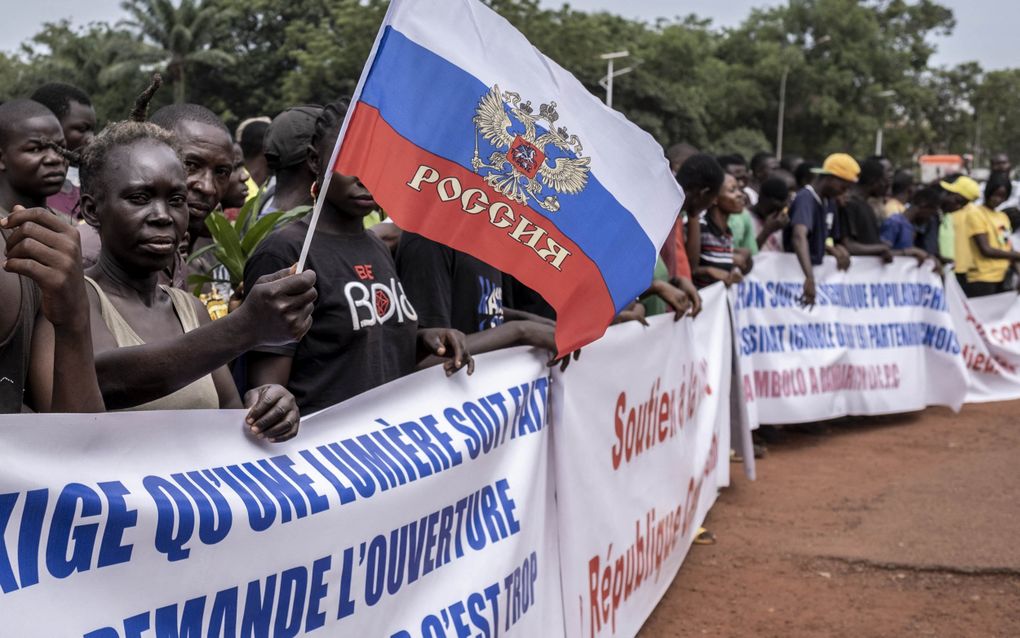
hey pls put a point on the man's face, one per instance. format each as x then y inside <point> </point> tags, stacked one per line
<point>1001,163</point>
<point>208,156</point>
<point>833,187</point>
<point>79,125</point>
<point>29,162</point>
<point>765,169</point>
<point>951,202</point>
<point>739,172</point>
<point>888,171</point>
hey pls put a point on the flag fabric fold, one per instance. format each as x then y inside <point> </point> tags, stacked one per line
<point>468,135</point>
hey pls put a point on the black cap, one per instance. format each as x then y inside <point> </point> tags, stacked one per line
<point>289,135</point>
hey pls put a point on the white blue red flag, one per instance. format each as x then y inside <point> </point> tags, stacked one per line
<point>468,135</point>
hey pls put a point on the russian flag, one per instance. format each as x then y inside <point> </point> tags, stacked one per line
<point>468,135</point>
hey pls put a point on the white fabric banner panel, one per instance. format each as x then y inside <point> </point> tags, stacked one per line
<point>423,508</point>
<point>880,340</point>
<point>640,450</point>
<point>989,329</point>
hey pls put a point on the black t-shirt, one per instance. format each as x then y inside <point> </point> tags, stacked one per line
<point>449,288</point>
<point>859,222</point>
<point>364,328</point>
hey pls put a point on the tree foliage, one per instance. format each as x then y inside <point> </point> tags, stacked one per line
<point>853,66</point>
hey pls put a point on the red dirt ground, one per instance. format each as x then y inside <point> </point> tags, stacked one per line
<point>884,527</point>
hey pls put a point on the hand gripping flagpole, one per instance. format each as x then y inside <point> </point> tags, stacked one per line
<point>330,169</point>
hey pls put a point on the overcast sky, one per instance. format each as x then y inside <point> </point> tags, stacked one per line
<point>986,31</point>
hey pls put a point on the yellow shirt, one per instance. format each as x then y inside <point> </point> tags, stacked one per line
<point>963,246</point>
<point>996,226</point>
<point>894,206</point>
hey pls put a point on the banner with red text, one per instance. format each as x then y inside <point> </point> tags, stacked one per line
<point>423,508</point>
<point>879,340</point>
<point>640,449</point>
<point>989,329</point>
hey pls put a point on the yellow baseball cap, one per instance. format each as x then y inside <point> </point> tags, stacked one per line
<point>963,186</point>
<point>840,165</point>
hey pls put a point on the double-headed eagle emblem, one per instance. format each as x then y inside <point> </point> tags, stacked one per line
<point>521,167</point>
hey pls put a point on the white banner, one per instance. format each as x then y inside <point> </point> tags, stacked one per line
<point>640,446</point>
<point>989,330</point>
<point>879,341</point>
<point>421,509</point>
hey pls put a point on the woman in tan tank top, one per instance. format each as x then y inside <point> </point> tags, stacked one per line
<point>134,190</point>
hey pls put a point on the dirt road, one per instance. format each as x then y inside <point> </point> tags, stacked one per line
<point>898,526</point>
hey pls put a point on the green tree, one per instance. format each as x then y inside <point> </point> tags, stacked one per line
<point>997,128</point>
<point>180,39</point>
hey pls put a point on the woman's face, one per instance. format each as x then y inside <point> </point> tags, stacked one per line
<point>142,205</point>
<point>731,198</point>
<point>995,200</point>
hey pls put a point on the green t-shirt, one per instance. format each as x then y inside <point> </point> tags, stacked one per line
<point>654,305</point>
<point>947,239</point>
<point>742,228</point>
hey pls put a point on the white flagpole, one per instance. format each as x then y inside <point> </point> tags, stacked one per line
<point>394,6</point>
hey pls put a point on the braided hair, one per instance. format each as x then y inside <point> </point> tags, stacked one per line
<point>327,128</point>
<point>93,158</point>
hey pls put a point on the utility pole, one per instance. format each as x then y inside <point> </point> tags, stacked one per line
<point>607,82</point>
<point>782,112</point>
<point>880,133</point>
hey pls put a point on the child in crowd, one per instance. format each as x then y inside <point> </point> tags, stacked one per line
<point>365,329</point>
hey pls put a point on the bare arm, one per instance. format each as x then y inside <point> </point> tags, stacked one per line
<point>62,377</point>
<point>278,313</point>
<point>986,250</point>
<point>693,241</point>
<point>511,314</point>
<point>800,248</point>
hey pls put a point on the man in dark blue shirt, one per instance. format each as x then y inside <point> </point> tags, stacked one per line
<point>813,219</point>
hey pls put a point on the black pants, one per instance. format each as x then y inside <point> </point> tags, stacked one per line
<point>983,288</point>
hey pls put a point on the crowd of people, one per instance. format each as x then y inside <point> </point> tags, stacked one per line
<point>99,227</point>
<point>840,208</point>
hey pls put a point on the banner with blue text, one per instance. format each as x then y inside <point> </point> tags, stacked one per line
<point>421,509</point>
<point>880,340</point>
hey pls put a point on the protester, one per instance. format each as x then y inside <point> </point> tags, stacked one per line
<point>701,177</point>
<point>715,256</point>
<point>286,150</point>
<point>365,330</point>
<point>901,193</point>
<point>45,342</point>
<point>741,225</point>
<point>770,215</point>
<point>959,193</point>
<point>812,231</point>
<point>917,226</point>
<point>237,191</point>
<point>990,230</point>
<point>805,173</point>
<point>33,167</point>
<point>77,118</point>
<point>674,248</point>
<point>134,190</point>
<point>859,221</point>
<point>251,135</point>
<point>762,165</point>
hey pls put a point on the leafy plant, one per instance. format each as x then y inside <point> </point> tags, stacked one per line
<point>234,242</point>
